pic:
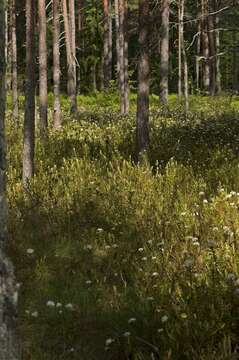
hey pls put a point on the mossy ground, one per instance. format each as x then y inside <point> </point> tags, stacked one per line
<point>118,261</point>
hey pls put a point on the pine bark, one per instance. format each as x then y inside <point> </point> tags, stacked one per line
<point>164,51</point>
<point>205,47</point>
<point>126,59</point>
<point>180,32</point>
<point>107,62</point>
<point>42,67</point>
<point>29,117</point>
<point>142,127</point>
<point>71,74</point>
<point>8,292</point>
<point>15,111</point>
<point>56,65</point>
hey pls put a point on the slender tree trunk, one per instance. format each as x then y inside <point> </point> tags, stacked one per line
<point>71,79</point>
<point>72,25</point>
<point>217,44</point>
<point>164,51</point>
<point>56,65</point>
<point>106,65</point>
<point>14,62</point>
<point>126,59</point>
<point>121,55</point>
<point>29,119</point>
<point>117,30</point>
<point>205,46</point>
<point>42,67</point>
<point>8,47</point>
<point>180,31</point>
<point>185,63</point>
<point>212,48</point>
<point>198,50</point>
<point>142,130</point>
<point>8,292</point>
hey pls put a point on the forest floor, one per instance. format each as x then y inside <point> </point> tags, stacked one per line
<point>118,261</point>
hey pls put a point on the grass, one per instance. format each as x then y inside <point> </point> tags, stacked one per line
<point>118,261</point>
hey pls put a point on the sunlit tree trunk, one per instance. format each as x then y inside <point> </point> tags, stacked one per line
<point>8,292</point>
<point>217,44</point>
<point>164,51</point>
<point>29,119</point>
<point>198,49</point>
<point>117,40</point>
<point>180,35</point>
<point>142,130</point>
<point>14,62</point>
<point>71,75</point>
<point>107,50</point>
<point>42,67</point>
<point>72,24</point>
<point>56,65</point>
<point>205,47</point>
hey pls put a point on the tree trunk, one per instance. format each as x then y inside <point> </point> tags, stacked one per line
<point>126,59</point>
<point>212,48</point>
<point>117,41</point>
<point>205,47</point>
<point>180,32</point>
<point>107,44</point>
<point>29,119</point>
<point>217,44</point>
<point>56,65</point>
<point>71,75</point>
<point>8,292</point>
<point>142,130</point>
<point>72,24</point>
<point>164,52</point>
<point>14,62</point>
<point>42,67</point>
<point>198,50</point>
<point>185,63</point>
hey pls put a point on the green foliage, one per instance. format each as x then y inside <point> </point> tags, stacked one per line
<point>118,261</point>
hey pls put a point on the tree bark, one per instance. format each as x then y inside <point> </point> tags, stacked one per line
<point>8,292</point>
<point>205,47</point>
<point>42,67</point>
<point>180,31</point>
<point>142,127</point>
<point>71,75</point>
<point>56,65</point>
<point>107,45</point>
<point>117,40</point>
<point>217,44</point>
<point>164,51</point>
<point>126,59</point>
<point>15,111</point>
<point>29,118</point>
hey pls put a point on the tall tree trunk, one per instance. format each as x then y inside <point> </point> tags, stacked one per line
<point>185,63</point>
<point>205,47</point>
<point>164,51</point>
<point>106,65</point>
<point>29,119</point>
<point>117,30</point>
<point>56,65</point>
<point>180,35</point>
<point>14,62</point>
<point>8,292</point>
<point>212,48</point>
<point>142,130</point>
<point>7,48</point>
<point>71,75</point>
<point>72,24</point>
<point>126,59</point>
<point>42,66</point>
<point>121,55</point>
<point>217,44</point>
<point>198,49</point>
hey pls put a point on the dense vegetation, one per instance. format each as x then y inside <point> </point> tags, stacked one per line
<point>121,261</point>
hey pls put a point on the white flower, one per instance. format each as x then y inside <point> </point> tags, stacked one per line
<point>144,258</point>
<point>115,246</point>
<point>205,201</point>
<point>99,230</point>
<point>35,314</point>
<point>231,276</point>
<point>88,282</point>
<point>69,306</point>
<point>150,298</point>
<point>58,305</point>
<point>140,249</point>
<point>50,303</point>
<point>132,320</point>
<point>30,251</point>
<point>159,331</point>
<point>215,229</point>
<point>155,274</point>
<point>154,258</point>
<point>202,193</point>
<point>88,247</point>
<point>164,319</point>
<point>107,247</point>
<point>127,334</point>
<point>150,242</point>
<point>109,341</point>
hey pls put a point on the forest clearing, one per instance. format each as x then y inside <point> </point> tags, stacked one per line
<point>119,144</point>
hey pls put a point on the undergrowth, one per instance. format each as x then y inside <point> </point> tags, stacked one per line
<point>119,261</point>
